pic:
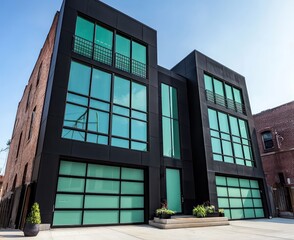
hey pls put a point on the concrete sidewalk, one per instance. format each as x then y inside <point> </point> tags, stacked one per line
<point>269,229</point>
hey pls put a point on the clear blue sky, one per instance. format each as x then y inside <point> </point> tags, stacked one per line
<point>252,37</point>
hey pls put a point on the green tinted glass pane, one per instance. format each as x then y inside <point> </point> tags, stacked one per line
<point>72,168</point>
<point>237,213</point>
<point>254,184</point>
<point>117,142</point>
<point>173,189</point>
<point>102,186</point>
<point>246,152</point>
<point>79,78</point>
<point>227,148</point>
<point>99,105</point>
<point>218,87</point>
<point>93,138</point>
<point>63,218</point>
<point>208,83</point>
<point>247,202</point>
<point>220,180</point>
<point>138,146</point>
<point>237,95</point>
<point>84,29</point>
<point>236,139</point>
<point>246,193</point>
<point>255,193</point>
<point>121,94</point>
<point>175,139</point>
<point>100,87</point>
<point>257,202</point>
<point>132,188</point>
<point>234,192</point>
<point>120,126</point>
<point>121,110</point>
<point>217,157</point>
<point>139,97</point>
<point>238,150</point>
<point>101,201</point>
<point>77,99</point>
<point>71,134</point>
<point>123,46</point>
<point>70,184</point>
<point>166,135</point>
<point>100,217</point>
<point>165,100</point>
<point>259,213</point>
<point>229,92</point>
<point>69,201</point>
<point>234,126</point>
<point>102,171</point>
<point>223,202</point>
<point>249,213</point>
<point>75,116</point>
<point>240,161</point>
<point>98,121</point>
<point>212,119</point>
<point>225,136</point>
<point>235,202</point>
<point>244,141</point>
<point>139,115</point>
<point>221,191</point>
<point>139,130</point>
<point>173,102</point>
<point>223,122</point>
<point>138,52</point>
<point>243,128</point>
<point>249,163</point>
<point>227,213</point>
<point>103,37</point>
<point>228,159</point>
<point>214,133</point>
<point>233,182</point>
<point>131,216</point>
<point>244,183</point>
<point>132,202</point>
<point>216,146</point>
<point>132,174</point>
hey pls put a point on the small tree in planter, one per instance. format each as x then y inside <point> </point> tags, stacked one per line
<point>32,222</point>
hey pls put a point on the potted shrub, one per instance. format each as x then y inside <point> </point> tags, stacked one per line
<point>210,210</point>
<point>221,212</point>
<point>32,222</point>
<point>164,213</point>
<point>199,211</point>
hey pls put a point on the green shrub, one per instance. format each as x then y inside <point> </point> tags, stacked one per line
<point>199,211</point>
<point>34,216</point>
<point>164,211</point>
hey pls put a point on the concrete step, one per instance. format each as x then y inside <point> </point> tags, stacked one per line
<point>188,222</point>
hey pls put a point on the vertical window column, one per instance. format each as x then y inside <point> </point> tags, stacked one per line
<point>170,122</point>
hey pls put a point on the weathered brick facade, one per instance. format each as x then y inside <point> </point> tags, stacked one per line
<point>25,135</point>
<point>278,162</point>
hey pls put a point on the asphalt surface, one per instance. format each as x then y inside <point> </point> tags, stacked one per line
<point>270,229</point>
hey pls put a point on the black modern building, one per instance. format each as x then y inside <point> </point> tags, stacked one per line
<point>120,134</point>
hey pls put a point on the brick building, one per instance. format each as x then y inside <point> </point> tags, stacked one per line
<point>275,134</point>
<point>1,185</point>
<point>106,135</point>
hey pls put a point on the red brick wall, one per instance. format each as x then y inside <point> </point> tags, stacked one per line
<point>27,149</point>
<point>280,121</point>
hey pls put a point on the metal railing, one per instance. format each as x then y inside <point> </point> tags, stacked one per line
<point>226,102</point>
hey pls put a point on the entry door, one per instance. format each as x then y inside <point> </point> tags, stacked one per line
<point>173,190</point>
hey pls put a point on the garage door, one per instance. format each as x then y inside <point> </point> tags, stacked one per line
<point>240,198</point>
<point>93,194</point>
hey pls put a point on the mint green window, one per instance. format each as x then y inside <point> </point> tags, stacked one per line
<point>96,194</point>
<point>84,35</point>
<point>230,139</point>
<point>123,51</point>
<point>170,122</point>
<point>223,94</point>
<point>103,45</point>
<point>173,189</point>
<point>240,198</point>
<point>88,113</point>
<point>139,59</point>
